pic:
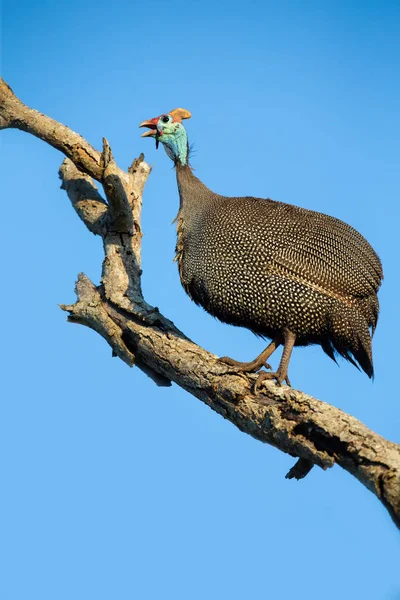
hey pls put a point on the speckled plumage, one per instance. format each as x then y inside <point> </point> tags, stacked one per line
<point>270,266</point>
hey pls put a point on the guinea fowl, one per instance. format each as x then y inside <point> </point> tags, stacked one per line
<point>292,275</point>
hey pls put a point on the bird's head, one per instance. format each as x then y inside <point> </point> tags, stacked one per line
<point>168,129</point>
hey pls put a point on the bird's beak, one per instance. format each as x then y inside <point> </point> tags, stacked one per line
<point>152,125</point>
<point>153,132</point>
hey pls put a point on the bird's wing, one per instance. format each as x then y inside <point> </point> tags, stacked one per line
<point>327,253</point>
<point>310,247</point>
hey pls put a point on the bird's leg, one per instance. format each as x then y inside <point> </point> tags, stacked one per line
<point>282,372</point>
<point>256,364</point>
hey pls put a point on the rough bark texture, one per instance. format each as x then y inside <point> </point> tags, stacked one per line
<point>302,426</point>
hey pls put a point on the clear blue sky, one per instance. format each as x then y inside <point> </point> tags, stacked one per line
<point>111,487</point>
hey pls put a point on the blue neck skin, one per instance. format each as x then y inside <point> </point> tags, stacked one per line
<point>176,145</point>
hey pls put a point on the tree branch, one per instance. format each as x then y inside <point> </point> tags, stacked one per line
<point>120,207</point>
<point>85,198</point>
<point>14,114</point>
<point>302,426</point>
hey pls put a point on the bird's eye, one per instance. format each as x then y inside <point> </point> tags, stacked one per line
<point>165,118</point>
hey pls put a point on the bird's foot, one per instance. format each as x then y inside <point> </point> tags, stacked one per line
<point>279,377</point>
<point>255,365</point>
<point>245,367</point>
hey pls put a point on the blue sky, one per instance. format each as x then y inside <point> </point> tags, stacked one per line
<point>111,487</point>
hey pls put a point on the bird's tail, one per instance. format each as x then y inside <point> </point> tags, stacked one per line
<point>351,338</point>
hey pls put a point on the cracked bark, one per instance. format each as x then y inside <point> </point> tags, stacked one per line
<point>304,427</point>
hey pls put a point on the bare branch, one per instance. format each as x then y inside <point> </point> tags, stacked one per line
<point>300,469</point>
<point>120,207</point>
<point>302,426</point>
<point>89,311</point>
<point>288,419</point>
<point>14,114</point>
<point>85,198</point>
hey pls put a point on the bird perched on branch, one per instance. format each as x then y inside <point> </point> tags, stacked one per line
<point>292,275</point>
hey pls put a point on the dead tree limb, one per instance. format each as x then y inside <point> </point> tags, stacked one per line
<point>302,426</point>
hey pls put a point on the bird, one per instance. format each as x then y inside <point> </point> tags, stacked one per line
<point>294,276</point>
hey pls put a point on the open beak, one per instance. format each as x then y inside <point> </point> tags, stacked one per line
<point>152,125</point>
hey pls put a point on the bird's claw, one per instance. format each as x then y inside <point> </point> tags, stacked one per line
<point>279,378</point>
